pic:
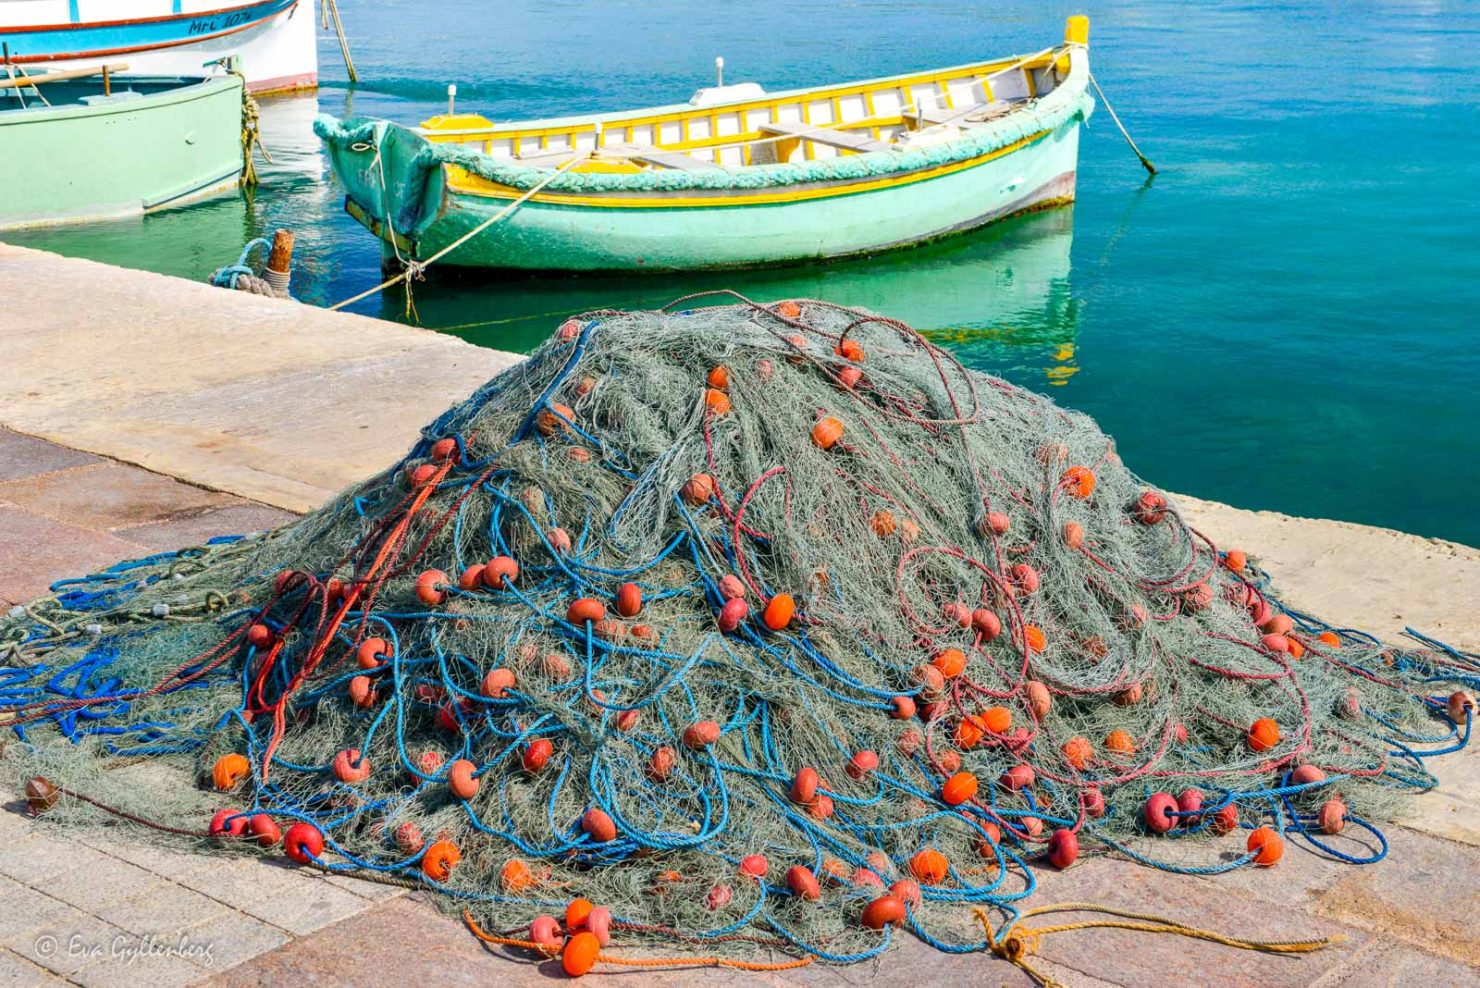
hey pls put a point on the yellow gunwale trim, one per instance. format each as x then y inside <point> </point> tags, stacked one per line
<point>462,182</point>
<point>625,120</point>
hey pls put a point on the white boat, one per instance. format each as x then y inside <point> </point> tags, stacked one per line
<point>274,38</point>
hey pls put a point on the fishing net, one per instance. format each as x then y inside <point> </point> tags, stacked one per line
<point>757,627</point>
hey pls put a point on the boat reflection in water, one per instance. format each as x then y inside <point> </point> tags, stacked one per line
<point>999,298</point>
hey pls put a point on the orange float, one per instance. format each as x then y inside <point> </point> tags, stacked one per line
<point>780,609</point>
<point>1329,638</point>
<point>883,523</point>
<point>1033,637</point>
<point>701,734</point>
<point>1038,697</point>
<point>1078,752</point>
<point>827,432</point>
<point>969,732</point>
<point>951,662</point>
<point>1263,734</point>
<point>1063,849</point>
<point>930,866</point>
<point>1078,481</point>
<point>580,954</point>
<point>372,653</point>
<point>350,766</point>
<point>599,825</point>
<point>362,691</point>
<point>460,780</point>
<point>536,754</point>
<point>998,720</point>
<point>497,683</point>
<point>555,419</point>
<point>1120,742</point>
<point>229,772</point>
<point>1266,846</point>
<point>804,785</point>
<point>698,489</point>
<point>986,623</point>
<point>719,377</point>
<point>958,789</point>
<point>500,572</point>
<point>802,882</point>
<point>515,876</point>
<point>429,587</point>
<point>629,600</point>
<point>660,765</point>
<point>716,401</point>
<point>1332,816</point>
<point>1073,536</point>
<point>439,860</point>
<point>1235,560</point>
<point>849,349</point>
<point>886,910</point>
<point>585,609</point>
<point>1159,811</point>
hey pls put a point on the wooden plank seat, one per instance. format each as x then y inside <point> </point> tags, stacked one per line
<point>672,159</point>
<point>656,157</point>
<point>979,113</point>
<point>794,133</point>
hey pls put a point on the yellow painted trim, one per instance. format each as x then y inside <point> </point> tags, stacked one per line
<point>463,182</point>
<point>937,78</point>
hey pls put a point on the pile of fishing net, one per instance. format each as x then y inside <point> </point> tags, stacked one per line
<point>766,630</point>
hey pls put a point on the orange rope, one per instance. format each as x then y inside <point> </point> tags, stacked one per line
<point>791,965</point>
<point>391,544</point>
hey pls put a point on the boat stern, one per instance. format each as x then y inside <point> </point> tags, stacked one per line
<point>393,185</point>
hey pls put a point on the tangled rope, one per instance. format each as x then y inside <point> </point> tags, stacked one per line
<point>735,628</point>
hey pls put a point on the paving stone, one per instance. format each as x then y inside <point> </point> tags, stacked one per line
<point>110,495</point>
<point>24,909</point>
<point>34,858</point>
<point>100,882</point>
<point>165,862</point>
<point>36,551</point>
<point>1423,893</point>
<point>1142,958</point>
<point>241,518</point>
<point>29,456</point>
<point>17,972</point>
<point>66,942</point>
<point>1384,963</point>
<point>147,969</point>
<point>232,939</point>
<point>374,891</point>
<point>164,911</point>
<point>292,901</point>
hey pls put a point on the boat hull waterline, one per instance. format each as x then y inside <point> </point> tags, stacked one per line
<point>422,191</point>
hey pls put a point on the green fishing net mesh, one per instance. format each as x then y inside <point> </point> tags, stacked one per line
<point>943,595</point>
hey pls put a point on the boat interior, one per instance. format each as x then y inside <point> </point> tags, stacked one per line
<point>741,124</point>
<point>96,86</point>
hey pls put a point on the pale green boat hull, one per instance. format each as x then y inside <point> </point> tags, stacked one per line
<point>420,198</point>
<point>544,236</point>
<point>123,157</point>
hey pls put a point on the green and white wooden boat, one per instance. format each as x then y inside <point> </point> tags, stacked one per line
<point>736,177</point>
<point>78,146</point>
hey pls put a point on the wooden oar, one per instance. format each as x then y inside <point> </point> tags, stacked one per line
<point>36,80</point>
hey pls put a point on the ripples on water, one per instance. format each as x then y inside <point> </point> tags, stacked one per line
<point>1284,319</point>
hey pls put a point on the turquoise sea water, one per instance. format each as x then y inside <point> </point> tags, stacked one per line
<point>1285,318</point>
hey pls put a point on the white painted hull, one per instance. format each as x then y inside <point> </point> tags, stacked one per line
<point>279,56</point>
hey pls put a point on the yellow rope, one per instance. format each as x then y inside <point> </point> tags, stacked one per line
<point>1013,944</point>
